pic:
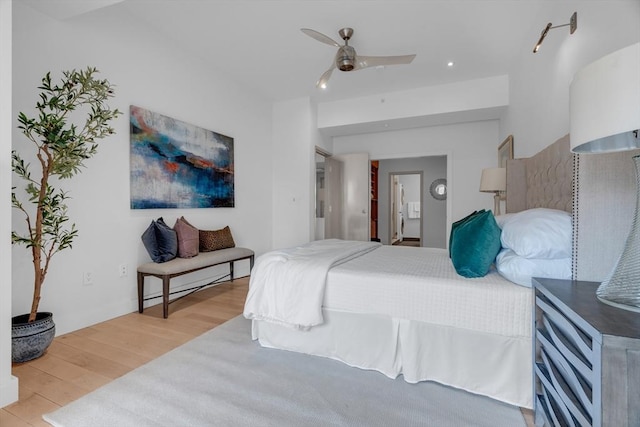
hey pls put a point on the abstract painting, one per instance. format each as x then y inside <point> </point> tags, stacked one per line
<point>178,165</point>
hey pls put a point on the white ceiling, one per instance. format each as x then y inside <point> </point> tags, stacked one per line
<point>259,43</point>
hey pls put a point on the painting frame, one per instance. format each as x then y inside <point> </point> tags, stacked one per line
<point>178,165</point>
<point>505,151</point>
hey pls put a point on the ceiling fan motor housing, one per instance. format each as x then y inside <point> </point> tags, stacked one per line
<point>346,58</point>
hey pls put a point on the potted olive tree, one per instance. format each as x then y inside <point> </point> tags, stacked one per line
<point>72,116</point>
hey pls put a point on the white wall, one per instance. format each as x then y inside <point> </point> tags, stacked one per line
<point>8,383</point>
<point>538,112</point>
<point>292,156</point>
<point>149,72</point>
<point>470,147</point>
<point>295,138</point>
<point>472,100</point>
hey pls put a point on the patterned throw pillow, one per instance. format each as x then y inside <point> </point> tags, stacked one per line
<point>188,238</point>
<point>213,240</point>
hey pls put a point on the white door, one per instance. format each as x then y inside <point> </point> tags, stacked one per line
<point>356,202</point>
<point>333,198</point>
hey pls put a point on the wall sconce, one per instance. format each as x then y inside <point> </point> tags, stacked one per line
<point>573,24</point>
<point>494,180</point>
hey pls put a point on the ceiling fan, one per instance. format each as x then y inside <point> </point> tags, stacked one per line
<point>346,58</point>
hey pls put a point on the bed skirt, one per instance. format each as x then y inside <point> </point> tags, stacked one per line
<point>492,365</point>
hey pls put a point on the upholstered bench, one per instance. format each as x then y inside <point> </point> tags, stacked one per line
<point>179,266</point>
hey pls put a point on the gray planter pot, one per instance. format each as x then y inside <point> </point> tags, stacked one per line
<point>30,340</point>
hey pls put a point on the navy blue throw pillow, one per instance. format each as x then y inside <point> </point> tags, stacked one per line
<point>161,241</point>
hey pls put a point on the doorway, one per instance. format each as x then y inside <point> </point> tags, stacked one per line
<point>319,233</point>
<point>405,204</point>
<point>433,212</point>
<point>329,195</point>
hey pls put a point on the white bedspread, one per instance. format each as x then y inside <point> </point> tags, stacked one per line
<point>287,286</point>
<point>421,284</point>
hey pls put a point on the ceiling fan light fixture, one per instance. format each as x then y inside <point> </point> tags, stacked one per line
<point>345,64</point>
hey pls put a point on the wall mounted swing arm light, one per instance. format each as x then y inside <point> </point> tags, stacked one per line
<point>573,24</point>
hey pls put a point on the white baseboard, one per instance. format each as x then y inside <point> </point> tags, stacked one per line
<point>9,392</point>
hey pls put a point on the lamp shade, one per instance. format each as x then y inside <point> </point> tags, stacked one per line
<point>493,179</point>
<point>605,103</point>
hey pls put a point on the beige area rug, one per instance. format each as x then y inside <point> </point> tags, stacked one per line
<point>223,378</point>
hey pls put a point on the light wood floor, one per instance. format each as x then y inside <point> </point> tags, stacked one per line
<point>81,361</point>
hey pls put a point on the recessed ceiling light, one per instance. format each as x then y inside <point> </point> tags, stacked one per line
<point>450,64</point>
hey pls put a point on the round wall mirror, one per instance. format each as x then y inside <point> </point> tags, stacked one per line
<point>438,189</point>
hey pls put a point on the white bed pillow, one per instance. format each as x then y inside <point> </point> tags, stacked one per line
<point>520,270</point>
<point>538,233</point>
<point>503,219</point>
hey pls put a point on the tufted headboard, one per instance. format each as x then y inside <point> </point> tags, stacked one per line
<point>598,190</point>
<point>604,207</point>
<point>544,180</point>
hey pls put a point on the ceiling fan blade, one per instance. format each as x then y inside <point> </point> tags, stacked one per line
<point>375,61</point>
<point>320,37</point>
<point>324,78</point>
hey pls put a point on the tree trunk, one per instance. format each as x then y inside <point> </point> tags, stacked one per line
<point>36,249</point>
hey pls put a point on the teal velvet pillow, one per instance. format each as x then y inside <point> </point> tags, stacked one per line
<point>458,223</point>
<point>475,243</point>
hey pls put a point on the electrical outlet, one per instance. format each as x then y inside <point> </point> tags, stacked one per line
<point>87,278</point>
<point>123,270</point>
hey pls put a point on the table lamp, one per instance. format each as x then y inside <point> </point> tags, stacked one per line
<point>494,180</point>
<point>605,117</point>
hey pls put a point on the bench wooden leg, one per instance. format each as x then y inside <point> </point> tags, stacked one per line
<point>140,292</point>
<point>231,270</point>
<point>165,296</point>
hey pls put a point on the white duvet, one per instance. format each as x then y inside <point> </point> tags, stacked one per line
<point>287,286</point>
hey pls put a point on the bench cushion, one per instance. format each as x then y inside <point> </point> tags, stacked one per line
<point>202,260</point>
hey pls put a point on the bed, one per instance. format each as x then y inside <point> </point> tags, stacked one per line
<point>404,310</point>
